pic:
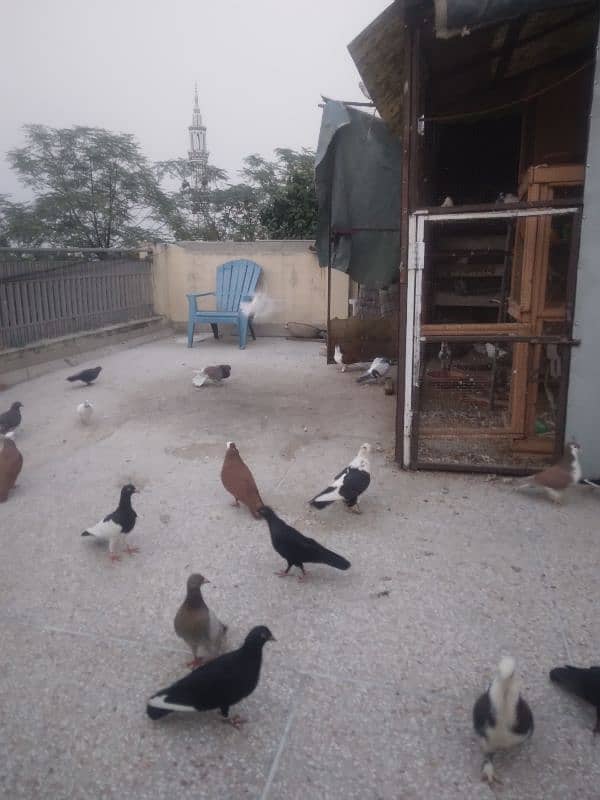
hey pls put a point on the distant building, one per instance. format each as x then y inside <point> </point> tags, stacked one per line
<point>198,157</point>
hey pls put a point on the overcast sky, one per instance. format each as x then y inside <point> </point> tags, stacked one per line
<point>130,66</point>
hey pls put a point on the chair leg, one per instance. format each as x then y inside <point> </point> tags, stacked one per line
<point>215,329</point>
<point>251,328</point>
<point>190,332</point>
<point>243,332</point>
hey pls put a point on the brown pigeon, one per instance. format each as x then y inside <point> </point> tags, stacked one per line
<point>196,624</point>
<point>238,481</point>
<point>559,477</point>
<point>11,462</point>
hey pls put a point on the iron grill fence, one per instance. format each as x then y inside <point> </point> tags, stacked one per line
<point>46,299</point>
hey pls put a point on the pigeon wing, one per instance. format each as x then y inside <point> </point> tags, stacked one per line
<point>107,528</point>
<point>556,477</point>
<point>354,483</point>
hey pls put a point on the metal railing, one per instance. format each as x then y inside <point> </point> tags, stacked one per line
<point>50,294</point>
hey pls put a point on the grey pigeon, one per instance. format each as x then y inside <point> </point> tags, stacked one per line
<point>196,624</point>
<point>11,419</point>
<point>501,717</point>
<point>220,684</point>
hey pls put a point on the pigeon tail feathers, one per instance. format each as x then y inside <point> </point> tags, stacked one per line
<point>333,559</point>
<point>504,691</point>
<point>320,504</point>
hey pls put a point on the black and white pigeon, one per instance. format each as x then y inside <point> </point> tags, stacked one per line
<point>11,419</point>
<point>348,484</point>
<point>379,368</point>
<point>113,527</point>
<point>221,683</point>
<point>581,681</point>
<point>296,548</point>
<point>501,717</point>
<point>86,376</point>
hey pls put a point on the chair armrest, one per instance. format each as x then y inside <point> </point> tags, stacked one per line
<point>193,300</point>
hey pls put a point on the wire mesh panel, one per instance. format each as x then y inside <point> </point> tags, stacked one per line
<point>476,411</point>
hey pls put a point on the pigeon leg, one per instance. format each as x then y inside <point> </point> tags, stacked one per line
<point>112,547</point>
<point>131,550</point>
<point>195,662</point>
<point>236,721</point>
<point>236,503</point>
<point>304,573</point>
<point>555,496</point>
<point>487,771</point>
<point>284,573</point>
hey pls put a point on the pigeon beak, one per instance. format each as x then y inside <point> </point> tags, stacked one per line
<point>272,638</point>
<point>205,580</point>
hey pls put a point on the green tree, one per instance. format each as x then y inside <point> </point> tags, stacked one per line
<point>285,189</point>
<point>93,188</point>
<point>195,216</point>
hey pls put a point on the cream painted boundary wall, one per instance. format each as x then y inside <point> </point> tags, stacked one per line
<point>291,277</point>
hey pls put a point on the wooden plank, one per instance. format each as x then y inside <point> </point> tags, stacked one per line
<point>488,332</point>
<point>450,300</point>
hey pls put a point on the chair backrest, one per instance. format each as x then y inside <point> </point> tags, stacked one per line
<point>234,280</point>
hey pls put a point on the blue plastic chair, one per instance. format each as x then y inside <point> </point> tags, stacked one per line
<point>236,282</point>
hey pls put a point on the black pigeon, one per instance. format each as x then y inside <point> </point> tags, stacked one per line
<point>221,683</point>
<point>114,526</point>
<point>86,376</point>
<point>11,419</point>
<point>296,548</point>
<point>581,681</point>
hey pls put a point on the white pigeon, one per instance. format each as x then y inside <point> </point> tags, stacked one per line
<point>379,368</point>
<point>85,411</point>
<point>338,358</point>
<point>349,484</point>
<point>259,307</point>
<point>501,717</point>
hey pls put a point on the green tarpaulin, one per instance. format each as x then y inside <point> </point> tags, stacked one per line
<point>357,173</point>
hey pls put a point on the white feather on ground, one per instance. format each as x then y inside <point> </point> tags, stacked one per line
<point>85,411</point>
